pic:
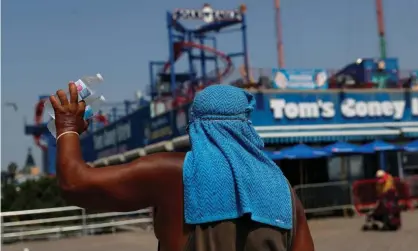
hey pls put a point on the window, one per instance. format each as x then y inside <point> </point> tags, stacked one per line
<point>353,168</point>
<point>334,168</point>
<point>356,167</point>
<point>410,163</point>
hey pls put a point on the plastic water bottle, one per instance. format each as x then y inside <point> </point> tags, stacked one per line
<point>92,108</point>
<point>83,88</point>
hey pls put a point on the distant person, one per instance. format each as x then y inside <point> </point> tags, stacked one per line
<point>385,183</point>
<point>380,77</point>
<point>388,198</point>
<point>224,195</point>
<point>387,210</point>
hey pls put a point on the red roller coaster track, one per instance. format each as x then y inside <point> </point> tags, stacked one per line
<point>178,46</point>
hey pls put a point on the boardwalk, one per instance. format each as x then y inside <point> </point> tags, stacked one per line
<point>329,235</point>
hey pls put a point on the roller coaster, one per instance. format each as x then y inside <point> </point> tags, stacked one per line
<point>167,83</point>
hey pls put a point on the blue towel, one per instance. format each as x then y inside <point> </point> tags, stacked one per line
<point>226,174</point>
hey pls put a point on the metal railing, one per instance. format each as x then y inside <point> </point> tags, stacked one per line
<point>359,196</point>
<point>412,182</point>
<point>78,224</point>
<point>323,197</point>
<point>316,198</point>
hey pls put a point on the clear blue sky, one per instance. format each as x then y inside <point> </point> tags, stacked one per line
<point>46,43</point>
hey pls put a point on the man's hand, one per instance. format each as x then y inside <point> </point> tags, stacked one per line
<point>69,115</point>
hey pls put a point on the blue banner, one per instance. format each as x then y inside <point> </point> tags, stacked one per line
<point>123,135</point>
<point>300,79</point>
<point>134,131</point>
<point>159,128</point>
<point>335,108</point>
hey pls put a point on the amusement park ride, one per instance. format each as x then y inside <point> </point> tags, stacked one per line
<point>167,84</point>
<point>199,45</point>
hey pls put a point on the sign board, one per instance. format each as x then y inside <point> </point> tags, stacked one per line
<point>134,131</point>
<point>207,14</point>
<point>122,135</point>
<point>300,79</point>
<point>334,108</point>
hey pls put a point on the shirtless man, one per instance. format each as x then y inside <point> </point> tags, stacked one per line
<point>157,181</point>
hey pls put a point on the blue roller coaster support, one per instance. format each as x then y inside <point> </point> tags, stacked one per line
<point>197,39</point>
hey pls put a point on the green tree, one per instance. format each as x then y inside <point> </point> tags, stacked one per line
<point>11,172</point>
<point>12,167</point>
<point>33,194</point>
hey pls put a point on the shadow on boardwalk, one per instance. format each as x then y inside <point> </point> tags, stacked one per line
<point>329,235</point>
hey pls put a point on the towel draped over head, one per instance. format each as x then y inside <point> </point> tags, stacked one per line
<point>226,174</point>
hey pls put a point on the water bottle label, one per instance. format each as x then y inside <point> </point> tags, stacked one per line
<point>82,89</point>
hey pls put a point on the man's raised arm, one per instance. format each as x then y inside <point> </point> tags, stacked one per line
<point>139,184</point>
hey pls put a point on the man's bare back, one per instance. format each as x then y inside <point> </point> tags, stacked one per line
<point>151,181</point>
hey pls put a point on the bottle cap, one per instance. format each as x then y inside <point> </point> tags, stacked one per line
<point>99,76</point>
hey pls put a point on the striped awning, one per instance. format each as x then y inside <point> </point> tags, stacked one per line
<point>329,135</point>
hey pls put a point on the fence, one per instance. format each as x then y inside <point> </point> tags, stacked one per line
<point>412,183</point>
<point>324,197</point>
<point>79,224</point>
<point>360,196</point>
<point>316,198</point>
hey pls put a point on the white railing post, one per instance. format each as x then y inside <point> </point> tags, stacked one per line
<point>84,222</point>
<point>113,227</point>
<point>2,227</point>
<point>59,233</point>
<point>21,234</point>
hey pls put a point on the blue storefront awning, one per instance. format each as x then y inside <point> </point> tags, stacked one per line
<point>379,146</point>
<point>411,147</point>
<point>300,151</point>
<point>329,135</point>
<point>341,147</point>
